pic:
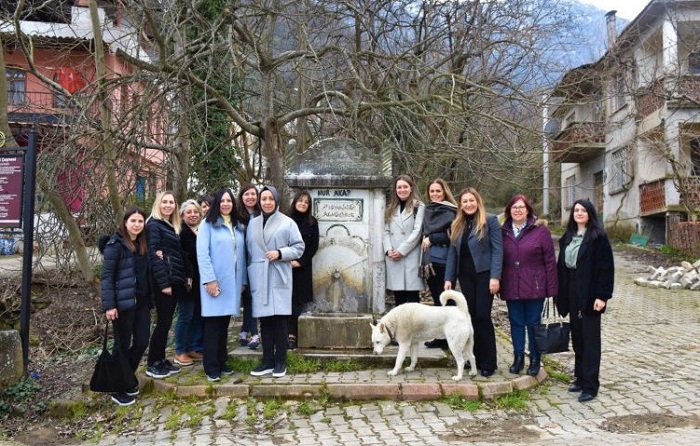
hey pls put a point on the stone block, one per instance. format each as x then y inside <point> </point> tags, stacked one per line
<point>335,330</point>
<point>364,392</point>
<point>641,281</point>
<point>695,286</point>
<point>525,381</point>
<point>295,391</point>
<point>696,265</point>
<point>11,365</point>
<point>658,274</point>
<point>466,390</point>
<point>491,390</point>
<point>232,390</point>
<point>420,391</point>
<point>687,266</point>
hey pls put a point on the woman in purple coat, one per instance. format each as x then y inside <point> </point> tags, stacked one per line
<point>529,276</point>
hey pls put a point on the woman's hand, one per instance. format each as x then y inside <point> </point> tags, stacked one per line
<point>212,288</point>
<point>394,254</point>
<point>448,285</point>
<point>599,305</point>
<point>295,264</point>
<point>272,255</point>
<point>168,291</point>
<point>494,286</point>
<point>112,314</point>
<point>426,244</point>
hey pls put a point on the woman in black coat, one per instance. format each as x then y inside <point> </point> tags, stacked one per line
<point>170,278</point>
<point>586,273</point>
<point>302,288</point>
<point>126,292</point>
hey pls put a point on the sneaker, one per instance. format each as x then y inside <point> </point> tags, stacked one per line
<point>243,341</point>
<point>254,342</point>
<point>183,359</point>
<point>172,369</point>
<point>226,370</point>
<point>279,371</point>
<point>262,370</point>
<point>213,378</point>
<point>291,343</point>
<point>133,391</point>
<point>157,371</point>
<point>123,399</point>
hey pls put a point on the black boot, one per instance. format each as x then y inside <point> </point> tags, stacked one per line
<point>518,364</point>
<point>534,368</point>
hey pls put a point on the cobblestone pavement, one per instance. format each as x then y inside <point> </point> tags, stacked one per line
<point>649,395</point>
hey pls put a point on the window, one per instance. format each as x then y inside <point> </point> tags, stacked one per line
<point>620,170</point>
<point>16,86</point>
<point>620,96</point>
<point>694,62</point>
<point>695,157</point>
<point>570,191</point>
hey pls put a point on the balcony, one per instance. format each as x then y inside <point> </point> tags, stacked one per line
<point>650,98</point>
<point>665,195</point>
<point>687,94</point>
<point>47,108</point>
<point>579,142</point>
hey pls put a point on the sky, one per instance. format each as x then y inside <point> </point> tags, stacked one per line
<point>627,9</point>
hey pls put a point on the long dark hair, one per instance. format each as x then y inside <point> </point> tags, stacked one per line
<point>215,211</point>
<point>292,211</point>
<point>594,228</point>
<point>140,243</point>
<point>243,214</point>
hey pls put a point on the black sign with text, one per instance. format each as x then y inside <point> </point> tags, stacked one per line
<point>11,182</point>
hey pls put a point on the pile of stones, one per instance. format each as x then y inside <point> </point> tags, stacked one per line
<point>676,277</point>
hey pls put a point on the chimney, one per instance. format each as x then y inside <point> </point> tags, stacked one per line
<point>611,22</point>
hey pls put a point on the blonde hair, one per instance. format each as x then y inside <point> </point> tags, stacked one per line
<point>460,221</point>
<point>445,189</point>
<point>394,201</point>
<point>174,220</point>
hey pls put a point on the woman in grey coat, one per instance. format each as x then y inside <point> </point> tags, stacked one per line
<point>402,235</point>
<point>273,241</point>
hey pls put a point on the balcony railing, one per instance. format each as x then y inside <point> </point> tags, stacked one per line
<point>652,197</point>
<point>579,142</point>
<point>650,98</point>
<point>688,90</point>
<point>46,107</point>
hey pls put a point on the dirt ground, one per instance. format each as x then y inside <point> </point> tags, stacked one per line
<point>66,329</point>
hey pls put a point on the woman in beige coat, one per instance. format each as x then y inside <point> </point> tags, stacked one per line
<point>402,236</point>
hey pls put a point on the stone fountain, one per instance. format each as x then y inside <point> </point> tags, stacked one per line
<point>348,192</point>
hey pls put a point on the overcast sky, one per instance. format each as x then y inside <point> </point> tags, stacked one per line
<point>627,9</point>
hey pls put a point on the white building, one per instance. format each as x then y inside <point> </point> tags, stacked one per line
<point>629,124</point>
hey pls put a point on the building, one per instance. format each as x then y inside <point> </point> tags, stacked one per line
<point>627,127</point>
<point>58,93</point>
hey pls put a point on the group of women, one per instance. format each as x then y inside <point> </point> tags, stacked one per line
<point>204,260</point>
<point>208,258</point>
<point>454,240</point>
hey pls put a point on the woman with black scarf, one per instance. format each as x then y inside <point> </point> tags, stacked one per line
<point>302,288</point>
<point>439,214</point>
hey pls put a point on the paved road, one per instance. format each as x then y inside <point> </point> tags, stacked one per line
<point>649,396</point>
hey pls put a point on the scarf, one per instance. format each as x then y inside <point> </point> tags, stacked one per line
<point>438,216</point>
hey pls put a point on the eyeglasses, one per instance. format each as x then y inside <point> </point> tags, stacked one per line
<point>518,208</point>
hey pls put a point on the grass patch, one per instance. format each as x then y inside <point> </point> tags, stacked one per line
<point>188,412</point>
<point>555,370</point>
<point>459,402</point>
<point>516,400</point>
<point>297,363</point>
<point>14,399</point>
<point>307,408</point>
<point>343,365</point>
<point>242,365</point>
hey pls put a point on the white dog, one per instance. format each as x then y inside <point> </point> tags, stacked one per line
<point>411,323</point>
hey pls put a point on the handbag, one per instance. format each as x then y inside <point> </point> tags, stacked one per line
<point>425,267</point>
<point>112,371</point>
<point>551,337</point>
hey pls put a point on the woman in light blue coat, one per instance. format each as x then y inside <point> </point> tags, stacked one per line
<point>221,258</point>
<point>273,241</point>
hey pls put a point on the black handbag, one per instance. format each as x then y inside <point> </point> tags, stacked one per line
<point>551,337</point>
<point>112,371</point>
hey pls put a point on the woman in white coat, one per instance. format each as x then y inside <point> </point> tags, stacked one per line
<point>221,258</point>
<point>273,241</point>
<point>402,235</point>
